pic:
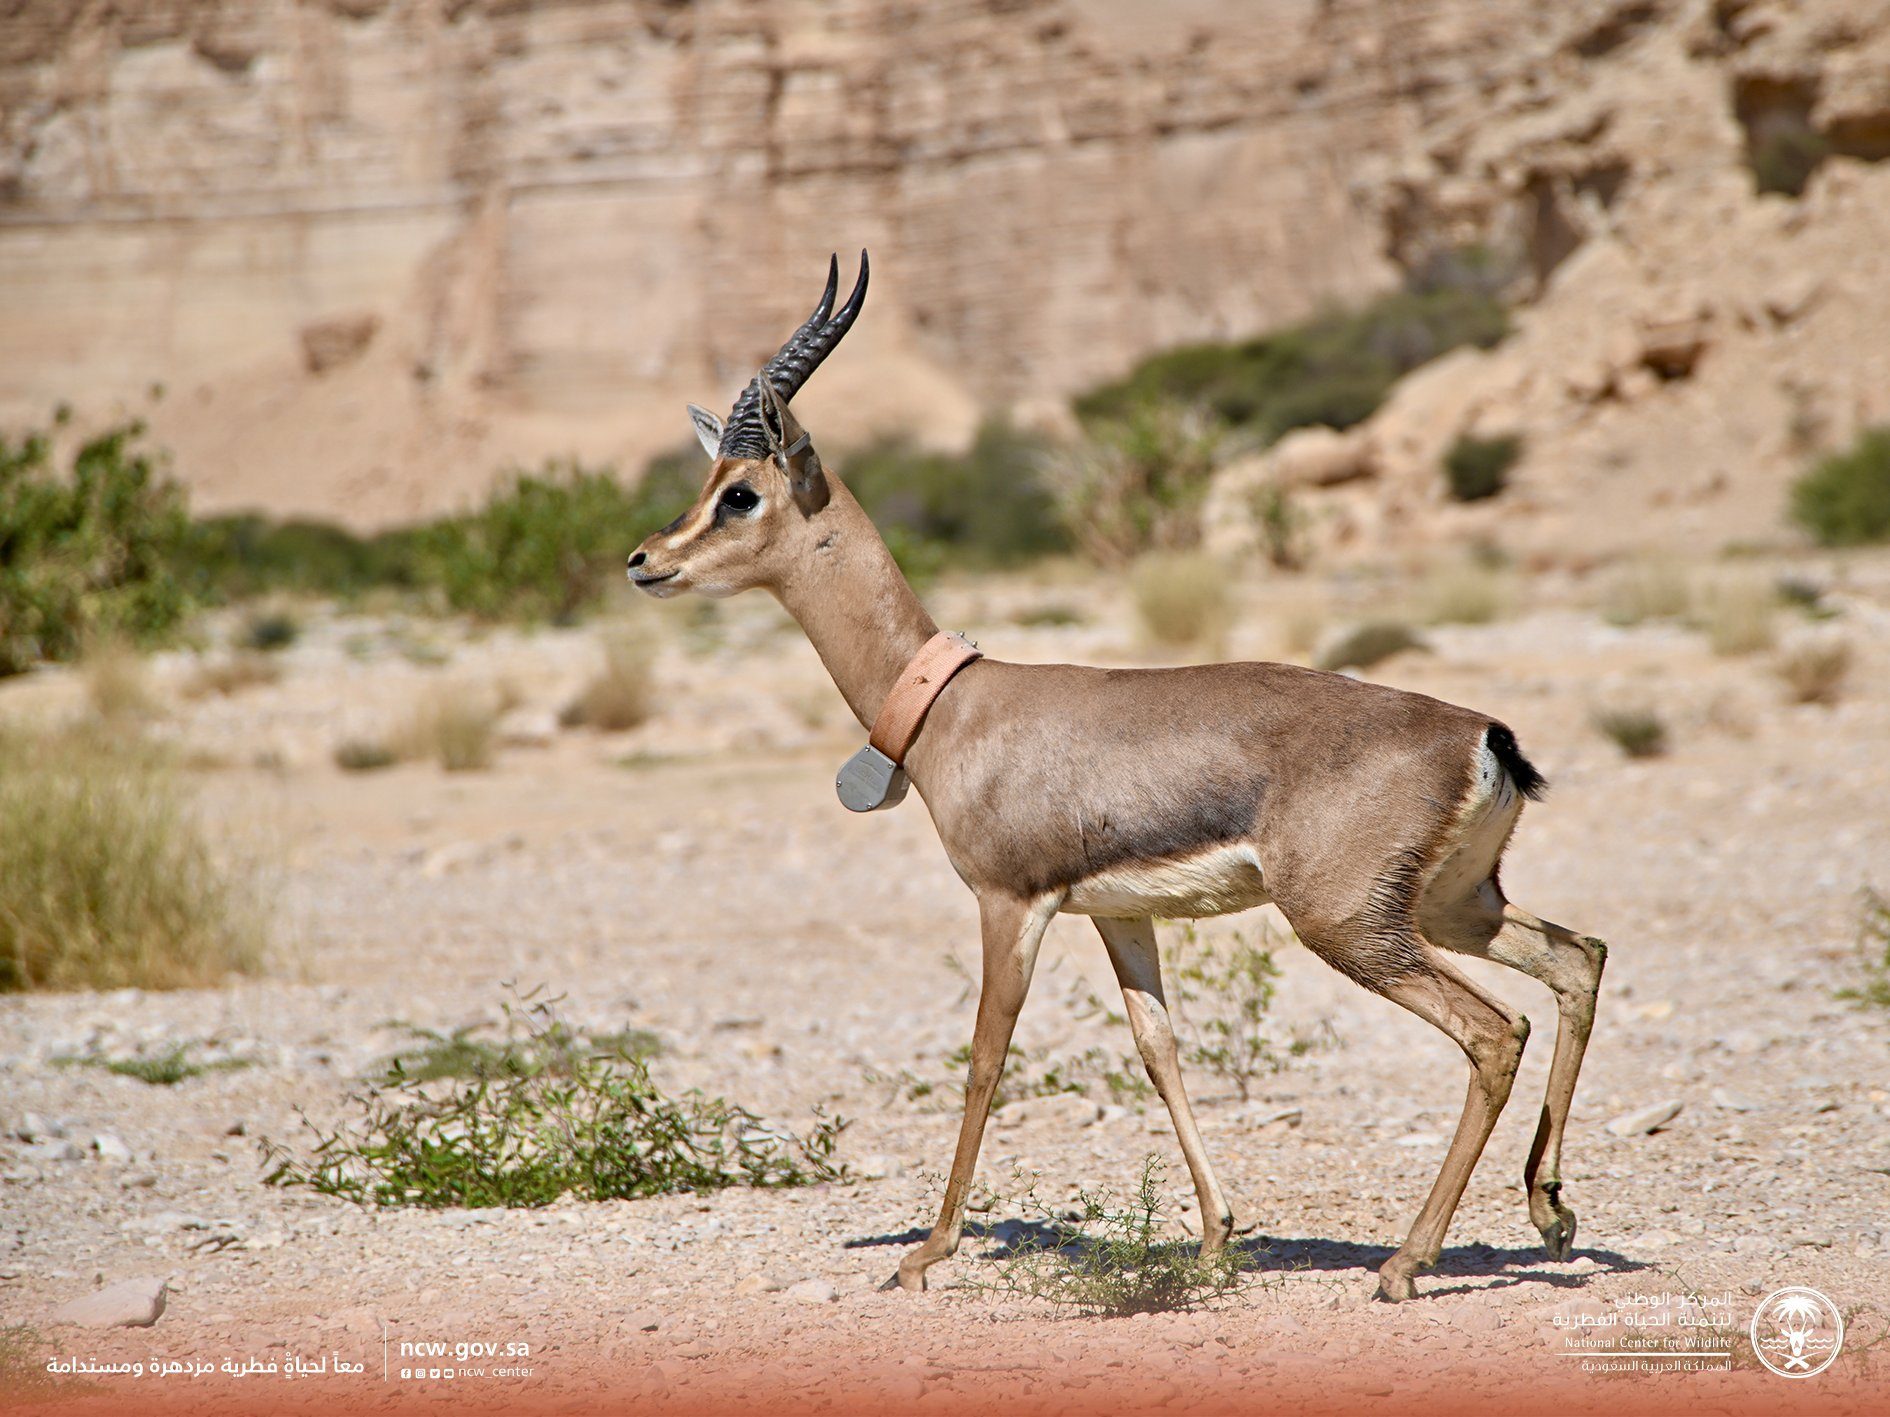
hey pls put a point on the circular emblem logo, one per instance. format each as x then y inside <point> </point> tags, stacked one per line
<point>1797,1332</point>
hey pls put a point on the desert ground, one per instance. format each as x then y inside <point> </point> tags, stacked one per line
<point>696,878</point>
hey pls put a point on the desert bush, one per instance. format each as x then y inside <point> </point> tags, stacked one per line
<point>453,726</point>
<point>1476,468</point>
<point>242,556</point>
<point>1182,598</point>
<point>1054,616</point>
<point>1873,951</point>
<point>1463,593</point>
<point>231,674</point>
<point>1221,998</point>
<point>107,880</point>
<point>989,505</point>
<point>1281,524</point>
<point>1136,482</point>
<point>556,1116</point>
<point>1645,590</point>
<point>85,555</point>
<point>622,694</point>
<point>1814,671</point>
<point>364,755</point>
<point>1845,499</point>
<point>267,631</point>
<point>1638,732</point>
<point>549,1045</point>
<point>544,546</point>
<point>1335,368</point>
<point>1370,644</point>
<point>1114,1258</point>
<point>1738,616</point>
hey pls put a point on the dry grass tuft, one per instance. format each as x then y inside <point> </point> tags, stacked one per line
<point>1815,671</point>
<point>1645,590</point>
<point>1738,616</point>
<point>117,688</point>
<point>232,674</point>
<point>1466,593</point>
<point>622,695</point>
<point>107,880</point>
<point>1182,598</point>
<point>1638,732</point>
<point>453,725</point>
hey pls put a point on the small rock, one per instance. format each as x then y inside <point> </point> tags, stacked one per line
<point>1069,1109</point>
<point>1645,1119</point>
<point>34,1127</point>
<point>55,1151</point>
<point>1421,1139</point>
<point>1653,1240</point>
<point>1753,1245</point>
<point>528,728</point>
<point>876,1167</point>
<point>131,1303</point>
<point>813,1291</point>
<point>1727,1100</point>
<point>644,1321</point>
<point>111,1147</point>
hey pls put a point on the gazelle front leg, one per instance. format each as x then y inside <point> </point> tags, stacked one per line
<point>1138,966</point>
<point>1013,929</point>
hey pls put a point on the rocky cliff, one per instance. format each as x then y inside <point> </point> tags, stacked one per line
<point>350,256</point>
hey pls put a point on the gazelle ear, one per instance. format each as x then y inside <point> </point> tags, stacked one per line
<point>708,429</point>
<point>792,449</point>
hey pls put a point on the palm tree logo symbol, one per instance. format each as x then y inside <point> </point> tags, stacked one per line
<point>1797,1332</point>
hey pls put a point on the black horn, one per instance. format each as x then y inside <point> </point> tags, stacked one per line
<point>743,435</point>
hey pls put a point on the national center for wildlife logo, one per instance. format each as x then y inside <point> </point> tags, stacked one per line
<point>1797,1332</point>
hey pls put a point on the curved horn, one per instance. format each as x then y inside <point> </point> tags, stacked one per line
<point>742,435</point>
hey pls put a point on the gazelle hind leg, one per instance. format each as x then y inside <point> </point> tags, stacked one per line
<point>1013,929</point>
<point>1133,953</point>
<point>1490,928</point>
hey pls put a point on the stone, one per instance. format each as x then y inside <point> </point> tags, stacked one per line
<point>813,1291</point>
<point>55,1151</point>
<point>1645,1119</point>
<point>1727,1100</point>
<point>111,1147</point>
<point>33,1127</point>
<point>130,1303</point>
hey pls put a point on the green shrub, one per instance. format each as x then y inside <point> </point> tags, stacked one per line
<point>1136,482</point>
<point>235,558</point>
<point>1333,369</point>
<point>1370,644</point>
<point>1845,499</point>
<point>163,1069</point>
<point>106,878</point>
<point>989,505</point>
<point>1873,952</point>
<point>364,755</point>
<point>550,1046</point>
<point>1476,468</point>
<point>270,630</point>
<point>555,1116</point>
<point>86,555</point>
<point>1224,994</point>
<point>1113,1258</point>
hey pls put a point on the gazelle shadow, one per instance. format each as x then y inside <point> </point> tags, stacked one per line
<point>1505,1266</point>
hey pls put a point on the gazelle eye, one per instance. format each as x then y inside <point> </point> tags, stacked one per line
<point>740,498</point>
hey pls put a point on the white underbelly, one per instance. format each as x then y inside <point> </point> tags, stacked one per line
<point>1218,881</point>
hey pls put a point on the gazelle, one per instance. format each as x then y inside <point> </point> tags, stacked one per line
<point>1374,819</point>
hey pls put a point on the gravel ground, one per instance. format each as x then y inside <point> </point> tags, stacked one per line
<point>695,878</point>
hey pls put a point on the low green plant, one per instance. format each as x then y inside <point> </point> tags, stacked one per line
<point>269,630</point>
<point>1845,499</point>
<point>1370,644</point>
<point>557,1117</point>
<point>1113,1258</point>
<point>107,879</point>
<point>1182,598</point>
<point>86,554</point>
<point>1478,468</point>
<point>166,1068</point>
<point>1222,995</point>
<point>463,1053</point>
<point>1638,732</point>
<point>1084,1074</point>
<point>1873,950</point>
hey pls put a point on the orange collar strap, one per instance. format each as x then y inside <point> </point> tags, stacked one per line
<point>913,692</point>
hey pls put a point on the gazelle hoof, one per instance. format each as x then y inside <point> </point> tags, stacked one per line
<point>1395,1287</point>
<point>1558,1233</point>
<point>912,1281</point>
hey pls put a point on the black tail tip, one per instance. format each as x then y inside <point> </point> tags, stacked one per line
<point>1522,772</point>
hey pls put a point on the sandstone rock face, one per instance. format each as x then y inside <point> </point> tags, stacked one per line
<point>570,217</point>
<point>1688,343</point>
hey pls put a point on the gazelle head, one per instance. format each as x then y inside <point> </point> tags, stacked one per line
<point>751,521</point>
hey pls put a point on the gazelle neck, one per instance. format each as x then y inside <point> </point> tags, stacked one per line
<point>854,604</point>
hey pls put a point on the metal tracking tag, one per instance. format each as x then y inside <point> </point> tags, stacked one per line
<point>870,781</point>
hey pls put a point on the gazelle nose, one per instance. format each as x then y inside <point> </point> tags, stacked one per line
<point>637,560</point>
